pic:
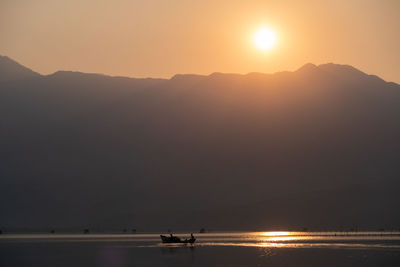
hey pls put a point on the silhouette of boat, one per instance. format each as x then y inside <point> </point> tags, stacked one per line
<point>175,239</point>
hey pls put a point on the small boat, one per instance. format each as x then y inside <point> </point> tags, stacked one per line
<point>175,239</point>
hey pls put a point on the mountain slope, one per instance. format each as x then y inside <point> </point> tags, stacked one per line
<point>11,70</point>
<point>85,150</point>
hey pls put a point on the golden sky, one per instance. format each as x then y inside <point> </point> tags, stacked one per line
<point>159,38</point>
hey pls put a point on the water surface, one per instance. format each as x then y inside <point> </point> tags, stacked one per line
<point>211,249</point>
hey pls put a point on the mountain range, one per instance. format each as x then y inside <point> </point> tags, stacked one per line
<point>317,148</point>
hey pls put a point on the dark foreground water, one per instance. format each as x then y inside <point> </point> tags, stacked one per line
<point>216,249</point>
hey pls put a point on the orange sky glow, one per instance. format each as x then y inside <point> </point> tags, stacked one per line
<point>156,38</point>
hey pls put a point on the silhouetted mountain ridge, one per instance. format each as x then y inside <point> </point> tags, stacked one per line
<point>11,70</point>
<point>88,150</point>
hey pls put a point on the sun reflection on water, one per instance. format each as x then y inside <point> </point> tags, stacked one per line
<point>262,240</point>
<point>278,233</point>
<point>267,238</point>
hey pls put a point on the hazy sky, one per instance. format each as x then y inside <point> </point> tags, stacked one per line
<point>159,38</point>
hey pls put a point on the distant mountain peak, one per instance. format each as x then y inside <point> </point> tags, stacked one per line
<point>11,70</point>
<point>72,74</point>
<point>307,67</point>
<point>331,67</point>
<point>339,67</point>
<point>347,72</point>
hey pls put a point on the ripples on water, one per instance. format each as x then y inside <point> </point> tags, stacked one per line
<point>282,239</point>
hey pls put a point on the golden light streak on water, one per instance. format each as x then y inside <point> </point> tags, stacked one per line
<point>278,233</point>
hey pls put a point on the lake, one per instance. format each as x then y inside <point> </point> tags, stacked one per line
<point>211,249</point>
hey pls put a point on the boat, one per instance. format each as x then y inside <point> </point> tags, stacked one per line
<point>175,239</point>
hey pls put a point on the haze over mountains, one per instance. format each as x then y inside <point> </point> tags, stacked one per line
<point>317,147</point>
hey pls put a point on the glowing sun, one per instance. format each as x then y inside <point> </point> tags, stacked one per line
<point>264,39</point>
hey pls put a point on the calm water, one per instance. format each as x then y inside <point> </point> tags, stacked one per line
<point>212,249</point>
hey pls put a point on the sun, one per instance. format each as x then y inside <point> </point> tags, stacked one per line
<point>264,39</point>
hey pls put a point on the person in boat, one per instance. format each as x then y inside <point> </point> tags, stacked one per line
<point>174,238</point>
<point>191,236</point>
